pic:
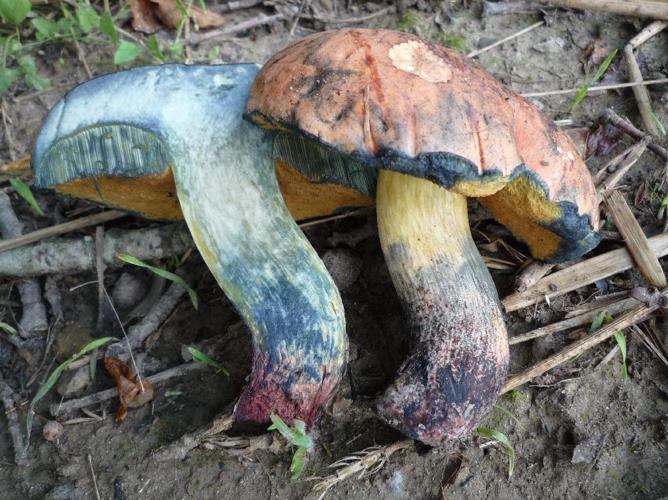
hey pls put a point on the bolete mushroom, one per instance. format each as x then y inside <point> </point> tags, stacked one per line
<point>440,129</point>
<point>170,140</point>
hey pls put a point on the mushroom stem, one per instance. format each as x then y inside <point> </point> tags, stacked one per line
<point>459,357</point>
<point>139,122</point>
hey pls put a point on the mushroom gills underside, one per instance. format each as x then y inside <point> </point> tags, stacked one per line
<point>459,354</point>
<point>127,167</point>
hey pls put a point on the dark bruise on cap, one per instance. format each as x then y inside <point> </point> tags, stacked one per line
<point>394,101</point>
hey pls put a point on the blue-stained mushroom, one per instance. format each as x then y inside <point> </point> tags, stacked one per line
<point>439,129</point>
<point>169,141</point>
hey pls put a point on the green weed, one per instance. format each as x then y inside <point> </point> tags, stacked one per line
<point>296,436</point>
<point>24,192</point>
<point>163,273</point>
<point>504,441</point>
<point>582,91</point>
<point>204,358</point>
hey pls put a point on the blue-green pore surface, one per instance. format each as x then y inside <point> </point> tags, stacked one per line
<point>190,117</point>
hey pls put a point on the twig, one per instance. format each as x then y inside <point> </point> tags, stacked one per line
<point>652,343</point>
<point>296,20</point>
<point>17,168</point>
<point>634,316</point>
<point>477,52</point>
<point>640,92</point>
<point>362,463</point>
<point>637,8</point>
<point>236,5</point>
<point>8,131</point>
<point>73,256</point>
<point>609,116</point>
<point>352,20</point>
<point>352,213</point>
<point>630,156</point>
<point>531,273</point>
<point>92,473</point>
<point>80,54</point>
<point>33,316</point>
<point>646,33</point>
<point>196,38</point>
<point>635,240</point>
<point>581,274</point>
<point>57,230</point>
<point>594,88</point>
<point>151,322</point>
<point>575,321</point>
<point>99,397</point>
<point>9,403</point>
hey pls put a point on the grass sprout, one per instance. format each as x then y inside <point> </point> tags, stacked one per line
<point>24,192</point>
<point>582,91</point>
<point>55,376</point>
<point>621,342</point>
<point>504,441</point>
<point>201,357</point>
<point>8,328</point>
<point>296,436</point>
<point>163,273</point>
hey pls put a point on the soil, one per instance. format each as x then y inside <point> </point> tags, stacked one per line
<point>580,431</point>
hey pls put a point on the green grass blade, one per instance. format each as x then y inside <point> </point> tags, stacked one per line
<point>8,328</point>
<point>24,192</point>
<point>129,259</point>
<point>621,342</point>
<point>582,91</point>
<point>55,375</point>
<point>658,123</point>
<point>298,463</point>
<point>204,358</point>
<point>503,439</point>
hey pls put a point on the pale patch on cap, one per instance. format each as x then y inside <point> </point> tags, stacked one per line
<point>417,58</point>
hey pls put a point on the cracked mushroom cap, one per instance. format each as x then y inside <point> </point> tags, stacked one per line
<point>391,100</point>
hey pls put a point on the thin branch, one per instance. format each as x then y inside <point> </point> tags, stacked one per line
<point>637,8</point>
<point>595,88</point>
<point>477,52</point>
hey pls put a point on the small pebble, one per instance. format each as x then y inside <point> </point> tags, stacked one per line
<point>52,430</point>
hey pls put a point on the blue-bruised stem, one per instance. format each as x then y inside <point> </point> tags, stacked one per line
<point>227,188</point>
<point>459,354</point>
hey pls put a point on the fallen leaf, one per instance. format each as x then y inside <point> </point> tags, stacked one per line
<point>143,17</point>
<point>170,14</point>
<point>603,140</point>
<point>131,392</point>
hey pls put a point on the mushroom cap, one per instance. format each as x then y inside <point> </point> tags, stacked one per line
<point>392,100</point>
<point>128,166</point>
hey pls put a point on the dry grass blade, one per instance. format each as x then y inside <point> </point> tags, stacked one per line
<point>628,158</point>
<point>638,8</point>
<point>583,319</point>
<point>635,239</point>
<point>581,274</point>
<point>362,463</point>
<point>652,342</point>
<point>66,227</point>
<point>636,315</point>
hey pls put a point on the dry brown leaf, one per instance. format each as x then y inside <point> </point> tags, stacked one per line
<point>131,393</point>
<point>143,17</point>
<point>170,15</point>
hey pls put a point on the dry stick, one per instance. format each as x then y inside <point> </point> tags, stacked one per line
<point>477,52</point>
<point>17,168</point>
<point>609,116</point>
<point>33,315</point>
<point>151,322</point>
<point>635,240</point>
<point>646,33</point>
<point>581,274</point>
<point>99,397</point>
<point>530,274</point>
<point>75,256</point>
<point>359,464</point>
<point>196,38</point>
<point>631,155</point>
<point>583,319</point>
<point>613,86</point>
<point>636,315</point>
<point>57,230</point>
<point>351,20</point>
<point>640,92</point>
<point>92,473</point>
<point>18,441</point>
<point>236,5</point>
<point>637,8</point>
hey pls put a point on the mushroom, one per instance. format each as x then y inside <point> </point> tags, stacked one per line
<point>439,129</point>
<point>170,140</point>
